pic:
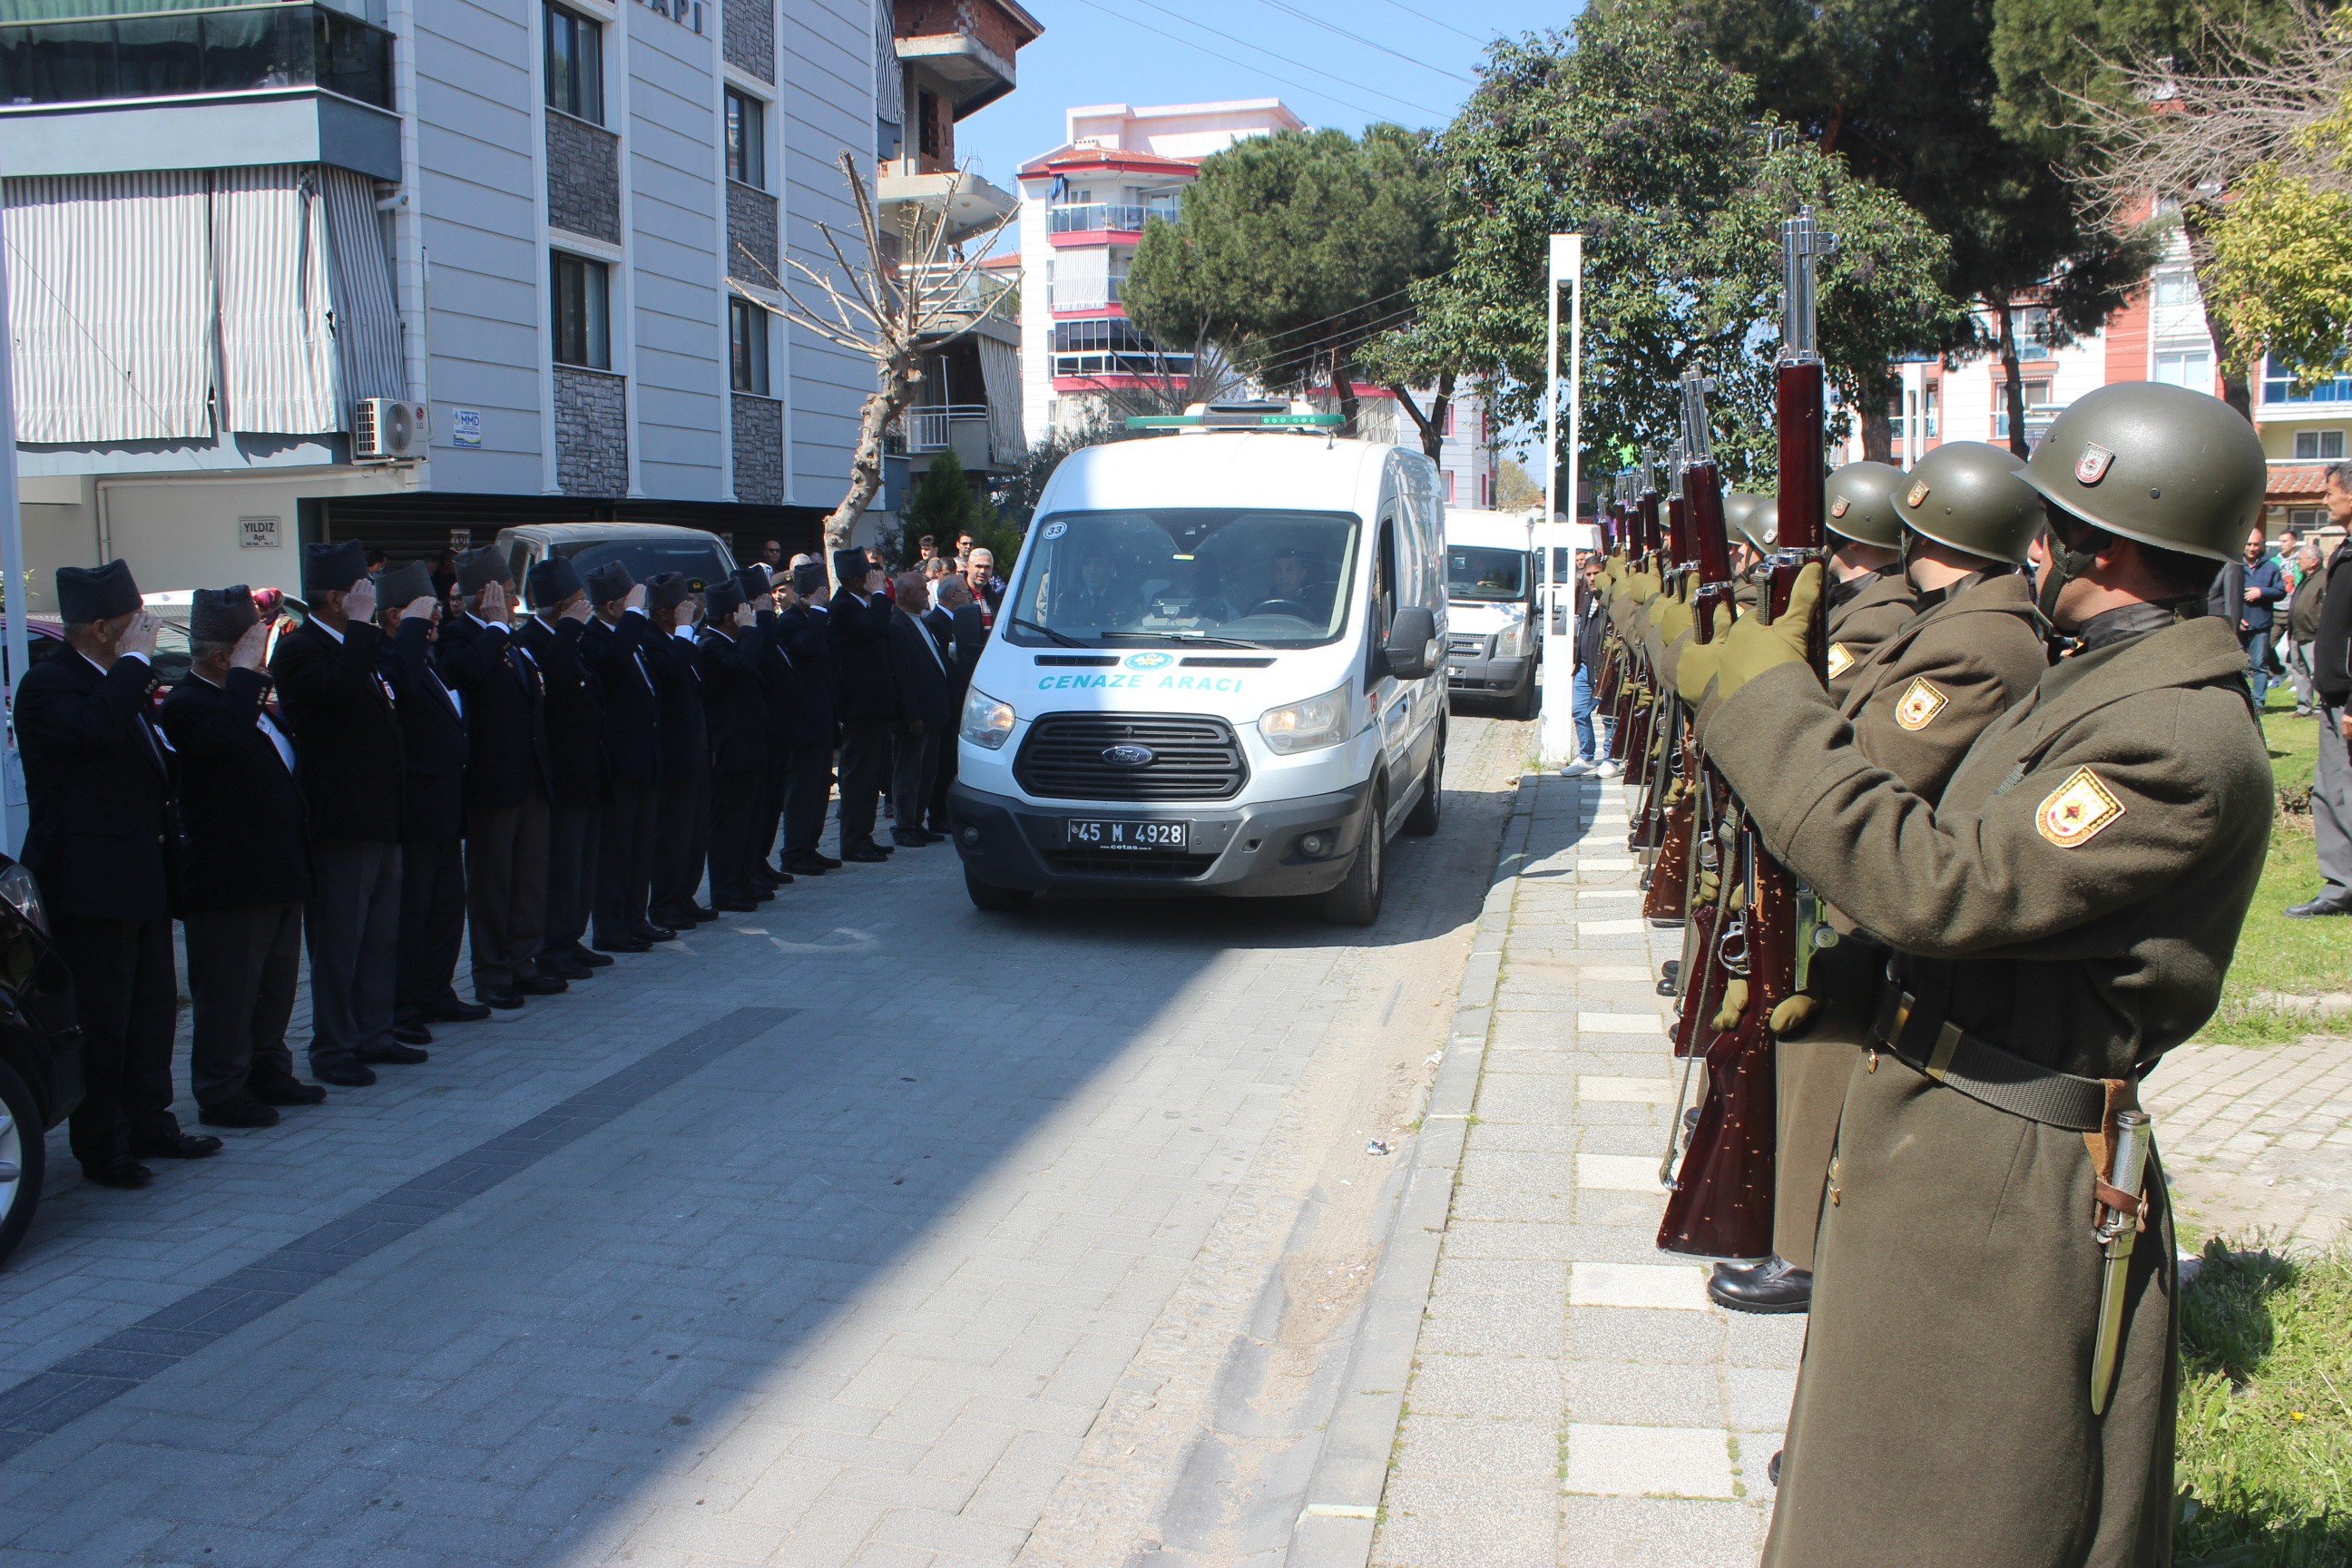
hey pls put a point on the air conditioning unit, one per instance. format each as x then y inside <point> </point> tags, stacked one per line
<point>384,429</point>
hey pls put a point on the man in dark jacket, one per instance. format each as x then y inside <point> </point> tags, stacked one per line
<point>247,870</point>
<point>2244,593</point>
<point>347,752</point>
<point>682,815</point>
<point>432,810</point>
<point>779,683</point>
<point>506,783</point>
<point>574,714</point>
<point>804,626</point>
<point>2331,683</point>
<point>1591,626</point>
<point>737,711</point>
<point>613,646</point>
<point>99,780</point>
<point>918,671</point>
<point>864,696</point>
<point>955,624</point>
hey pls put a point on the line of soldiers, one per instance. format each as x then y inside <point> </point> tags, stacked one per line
<point>558,775</point>
<point>2018,766</point>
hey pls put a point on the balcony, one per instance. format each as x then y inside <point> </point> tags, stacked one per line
<point>932,429</point>
<point>192,54</point>
<point>969,204</point>
<point>974,296</point>
<point>1109,218</point>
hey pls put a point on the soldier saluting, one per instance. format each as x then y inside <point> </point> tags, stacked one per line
<point>2061,919</point>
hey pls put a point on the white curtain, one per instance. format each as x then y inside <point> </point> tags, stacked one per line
<point>1000,378</point>
<point>110,294</point>
<point>1081,279</point>
<point>276,300</point>
<point>367,307</point>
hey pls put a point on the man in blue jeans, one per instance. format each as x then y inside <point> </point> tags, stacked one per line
<point>1591,621</point>
<point>2244,592</point>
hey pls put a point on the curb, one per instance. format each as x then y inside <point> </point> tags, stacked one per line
<point>1335,1529</point>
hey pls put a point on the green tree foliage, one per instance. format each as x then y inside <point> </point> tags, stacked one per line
<point>1635,135</point>
<point>1296,250</point>
<point>2281,273</point>
<point>1906,94</point>
<point>940,503</point>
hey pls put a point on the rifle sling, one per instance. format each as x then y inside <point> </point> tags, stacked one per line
<point>1983,1071</point>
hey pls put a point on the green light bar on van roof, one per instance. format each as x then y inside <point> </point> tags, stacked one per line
<point>1235,421</point>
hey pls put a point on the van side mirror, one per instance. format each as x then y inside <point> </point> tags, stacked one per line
<point>1412,650</point>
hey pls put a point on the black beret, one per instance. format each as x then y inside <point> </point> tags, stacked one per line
<point>479,567</point>
<point>808,577</point>
<point>553,581</point>
<point>754,581</point>
<point>404,585</point>
<point>221,614</point>
<point>95,593</point>
<point>722,599</point>
<point>850,567</point>
<point>608,583</point>
<point>333,568</point>
<point>668,590</point>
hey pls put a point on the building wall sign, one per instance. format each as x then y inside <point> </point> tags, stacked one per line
<point>465,427</point>
<point>260,533</point>
<point>685,12</point>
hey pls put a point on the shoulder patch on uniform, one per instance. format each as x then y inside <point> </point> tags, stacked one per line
<point>1919,703</point>
<point>2075,813</point>
<point>1840,659</point>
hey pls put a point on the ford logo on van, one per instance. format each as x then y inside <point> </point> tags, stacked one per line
<point>1130,756</point>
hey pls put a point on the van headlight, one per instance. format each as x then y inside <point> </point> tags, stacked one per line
<point>987,721</point>
<point>1307,726</point>
<point>1512,640</point>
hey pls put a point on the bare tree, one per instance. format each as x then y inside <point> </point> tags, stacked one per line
<point>892,304</point>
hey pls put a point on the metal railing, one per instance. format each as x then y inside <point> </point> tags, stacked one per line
<point>939,287</point>
<point>927,428</point>
<point>1085,218</point>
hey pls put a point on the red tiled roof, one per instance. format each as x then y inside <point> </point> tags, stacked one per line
<point>2296,481</point>
<point>1074,157</point>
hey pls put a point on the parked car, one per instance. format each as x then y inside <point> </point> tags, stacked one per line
<point>644,548</point>
<point>40,1049</point>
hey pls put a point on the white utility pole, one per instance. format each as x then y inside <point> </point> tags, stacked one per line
<point>1566,266</point>
<point>17,598</point>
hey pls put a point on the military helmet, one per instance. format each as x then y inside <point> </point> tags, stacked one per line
<point>1751,518</point>
<point>1861,503</point>
<point>2156,463</point>
<point>1968,495</point>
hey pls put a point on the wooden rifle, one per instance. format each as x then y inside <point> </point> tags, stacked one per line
<point>1668,806</point>
<point>1721,1201</point>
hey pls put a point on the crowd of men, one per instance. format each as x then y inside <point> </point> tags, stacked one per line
<point>551,771</point>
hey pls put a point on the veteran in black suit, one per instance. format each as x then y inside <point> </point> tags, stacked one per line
<point>247,870</point>
<point>613,646</point>
<point>682,815</point>
<point>348,764</point>
<point>803,626</point>
<point>919,673</point>
<point>574,707</point>
<point>100,782</point>
<point>779,683</point>
<point>736,709</point>
<point>956,625</point>
<point>864,697</point>
<point>506,784</point>
<point>432,810</point>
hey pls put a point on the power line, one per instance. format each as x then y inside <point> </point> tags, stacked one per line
<point>1315,21</point>
<point>1415,10</point>
<point>1204,48</point>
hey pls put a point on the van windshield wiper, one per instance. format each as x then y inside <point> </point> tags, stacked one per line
<point>1065,639</point>
<point>1186,635</point>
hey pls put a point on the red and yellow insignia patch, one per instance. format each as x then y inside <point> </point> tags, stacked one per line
<point>1920,704</point>
<point>1918,494</point>
<point>2076,811</point>
<point>1840,659</point>
<point>1839,507</point>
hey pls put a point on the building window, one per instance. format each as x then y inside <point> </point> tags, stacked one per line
<point>2031,326</point>
<point>2279,387</point>
<point>2037,412</point>
<point>582,311</point>
<point>2191,368</point>
<point>2319,445</point>
<point>2175,288</point>
<point>1449,486</point>
<point>747,140</point>
<point>1445,420</point>
<point>575,65</point>
<point>1112,345</point>
<point>2307,520</point>
<point>747,347</point>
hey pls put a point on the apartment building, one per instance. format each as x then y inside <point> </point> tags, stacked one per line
<point>413,271</point>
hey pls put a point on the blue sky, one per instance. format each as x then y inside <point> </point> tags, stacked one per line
<point>1405,60</point>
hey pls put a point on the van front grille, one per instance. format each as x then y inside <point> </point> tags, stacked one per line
<point>1193,758</point>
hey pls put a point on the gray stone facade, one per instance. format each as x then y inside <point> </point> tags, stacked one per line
<point>752,38</point>
<point>751,235</point>
<point>583,178</point>
<point>759,450</point>
<point>592,432</point>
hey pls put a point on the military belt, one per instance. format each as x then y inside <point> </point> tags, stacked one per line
<point>1983,1071</point>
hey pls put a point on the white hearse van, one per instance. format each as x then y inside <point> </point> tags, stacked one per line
<point>1493,634</point>
<point>1212,671</point>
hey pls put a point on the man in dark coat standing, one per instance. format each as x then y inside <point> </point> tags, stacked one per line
<point>246,870</point>
<point>865,698</point>
<point>614,645</point>
<point>347,753</point>
<point>737,711</point>
<point>918,671</point>
<point>804,626</point>
<point>574,710</point>
<point>98,779</point>
<point>506,783</point>
<point>778,682</point>
<point>432,808</point>
<point>955,624</point>
<point>682,812</point>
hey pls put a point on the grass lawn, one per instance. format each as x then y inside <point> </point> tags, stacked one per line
<point>2275,954</point>
<point>2265,1435</point>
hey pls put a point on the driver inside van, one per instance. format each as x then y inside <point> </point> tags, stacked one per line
<point>1099,600</point>
<point>1291,590</point>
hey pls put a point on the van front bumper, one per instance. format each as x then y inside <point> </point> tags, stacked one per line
<point>1478,673</point>
<point>1250,851</point>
